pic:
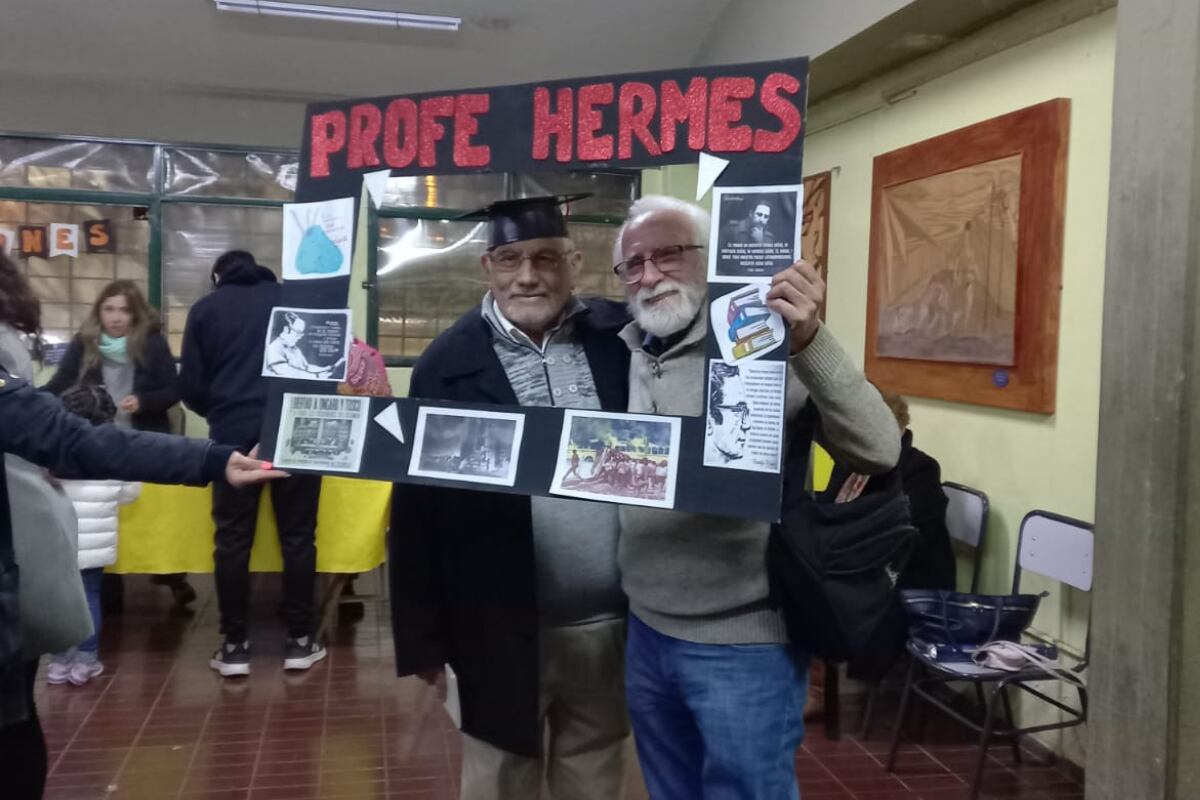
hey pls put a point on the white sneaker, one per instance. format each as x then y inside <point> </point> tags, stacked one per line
<point>58,672</point>
<point>83,670</point>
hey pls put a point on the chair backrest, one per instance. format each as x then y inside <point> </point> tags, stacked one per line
<point>1056,547</point>
<point>966,519</point>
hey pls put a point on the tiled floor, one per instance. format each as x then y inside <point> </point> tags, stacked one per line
<point>159,724</point>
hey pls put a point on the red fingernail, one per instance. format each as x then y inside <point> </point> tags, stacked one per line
<point>268,465</point>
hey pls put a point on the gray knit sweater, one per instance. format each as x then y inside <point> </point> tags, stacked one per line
<point>703,578</point>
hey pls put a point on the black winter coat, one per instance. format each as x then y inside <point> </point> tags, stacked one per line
<point>463,585</point>
<point>154,381</point>
<point>220,371</point>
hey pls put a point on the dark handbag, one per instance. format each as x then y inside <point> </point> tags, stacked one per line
<point>954,624</point>
<point>833,567</point>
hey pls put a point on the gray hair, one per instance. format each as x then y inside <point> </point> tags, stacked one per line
<point>695,216</point>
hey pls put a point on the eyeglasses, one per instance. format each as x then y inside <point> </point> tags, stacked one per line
<point>542,261</point>
<point>741,410</point>
<point>667,259</point>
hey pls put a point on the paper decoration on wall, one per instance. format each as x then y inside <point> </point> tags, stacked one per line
<point>317,239</point>
<point>8,240</point>
<point>98,236</point>
<point>64,239</point>
<point>389,419</point>
<point>34,242</point>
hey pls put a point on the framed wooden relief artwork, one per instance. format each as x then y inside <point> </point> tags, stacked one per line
<point>966,262</point>
<point>814,233</point>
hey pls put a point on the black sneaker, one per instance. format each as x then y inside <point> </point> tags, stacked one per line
<point>302,653</point>
<point>232,659</point>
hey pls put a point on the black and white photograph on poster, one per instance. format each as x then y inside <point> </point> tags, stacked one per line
<point>622,458</point>
<point>744,426</point>
<point>307,343</point>
<point>321,432</point>
<point>467,445</point>
<point>756,232</point>
<point>317,239</point>
<point>745,328</point>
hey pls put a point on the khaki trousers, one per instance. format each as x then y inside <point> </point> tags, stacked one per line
<point>582,707</point>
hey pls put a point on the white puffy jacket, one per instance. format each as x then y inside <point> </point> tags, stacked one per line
<point>96,504</point>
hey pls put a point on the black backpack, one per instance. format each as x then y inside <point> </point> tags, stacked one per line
<point>834,567</point>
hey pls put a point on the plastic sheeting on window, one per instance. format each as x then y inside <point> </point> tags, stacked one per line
<point>612,192</point>
<point>91,166</point>
<point>217,173</point>
<point>463,192</point>
<point>194,235</point>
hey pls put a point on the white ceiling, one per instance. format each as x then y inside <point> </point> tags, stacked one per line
<point>188,44</point>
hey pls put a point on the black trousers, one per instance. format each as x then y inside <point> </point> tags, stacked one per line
<point>235,512</point>
<point>23,759</point>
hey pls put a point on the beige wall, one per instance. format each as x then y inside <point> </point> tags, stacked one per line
<point>1023,461</point>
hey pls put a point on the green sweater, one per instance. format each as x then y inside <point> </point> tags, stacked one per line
<point>703,578</point>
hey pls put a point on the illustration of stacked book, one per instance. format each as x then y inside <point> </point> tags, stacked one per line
<point>749,323</point>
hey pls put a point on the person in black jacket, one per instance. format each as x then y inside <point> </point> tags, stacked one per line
<point>120,346</point>
<point>520,595</point>
<point>220,379</point>
<point>34,426</point>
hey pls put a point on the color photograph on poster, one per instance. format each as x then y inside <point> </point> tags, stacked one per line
<point>756,232</point>
<point>317,239</point>
<point>623,458</point>
<point>744,327</point>
<point>467,445</point>
<point>744,425</point>
<point>307,344</point>
<point>321,432</point>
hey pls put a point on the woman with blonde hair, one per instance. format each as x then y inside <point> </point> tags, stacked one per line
<point>120,346</point>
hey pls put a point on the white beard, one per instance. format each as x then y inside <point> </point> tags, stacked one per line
<point>667,316</point>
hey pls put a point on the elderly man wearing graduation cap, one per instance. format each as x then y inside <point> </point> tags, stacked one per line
<point>521,595</point>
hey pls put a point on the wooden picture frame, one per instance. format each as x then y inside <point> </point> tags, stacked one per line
<point>814,235</point>
<point>929,333</point>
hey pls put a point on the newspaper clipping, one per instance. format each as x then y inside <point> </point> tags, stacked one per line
<point>308,344</point>
<point>322,432</point>
<point>756,232</point>
<point>622,458</point>
<point>467,445</point>
<point>744,426</point>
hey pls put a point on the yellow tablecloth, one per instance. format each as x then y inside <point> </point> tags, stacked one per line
<point>169,529</point>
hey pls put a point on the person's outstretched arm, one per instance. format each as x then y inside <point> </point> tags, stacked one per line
<point>34,426</point>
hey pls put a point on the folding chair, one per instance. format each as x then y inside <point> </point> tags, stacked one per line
<point>967,521</point>
<point>1050,545</point>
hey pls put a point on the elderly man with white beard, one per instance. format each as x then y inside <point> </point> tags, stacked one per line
<point>715,691</point>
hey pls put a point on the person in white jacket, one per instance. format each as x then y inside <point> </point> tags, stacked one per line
<point>97,505</point>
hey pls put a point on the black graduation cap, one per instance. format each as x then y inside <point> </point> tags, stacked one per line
<point>525,218</point>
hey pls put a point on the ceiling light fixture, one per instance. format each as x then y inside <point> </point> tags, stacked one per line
<point>365,16</point>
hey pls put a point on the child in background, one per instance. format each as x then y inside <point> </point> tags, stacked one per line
<point>96,504</point>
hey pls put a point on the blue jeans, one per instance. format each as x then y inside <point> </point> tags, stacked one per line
<point>715,722</point>
<point>91,590</point>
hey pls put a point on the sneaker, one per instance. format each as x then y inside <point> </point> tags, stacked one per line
<point>302,653</point>
<point>84,668</point>
<point>232,659</point>
<point>59,670</point>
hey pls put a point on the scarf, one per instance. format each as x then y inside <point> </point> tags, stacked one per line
<point>113,348</point>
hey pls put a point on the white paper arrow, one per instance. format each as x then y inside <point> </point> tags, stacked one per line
<point>389,420</point>
<point>711,168</point>
<point>376,183</point>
